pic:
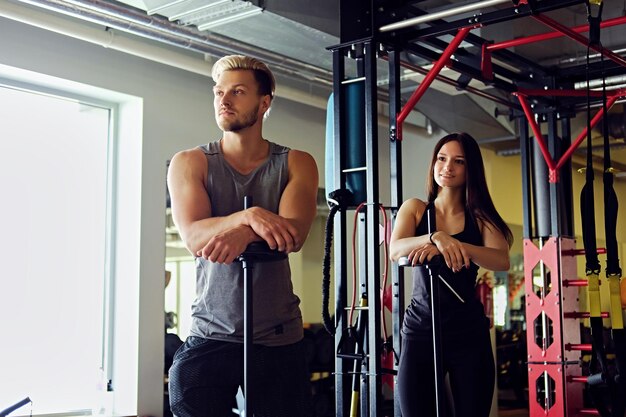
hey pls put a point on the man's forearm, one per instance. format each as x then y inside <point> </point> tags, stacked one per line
<point>197,234</point>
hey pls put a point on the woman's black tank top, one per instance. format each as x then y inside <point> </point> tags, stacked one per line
<point>457,318</point>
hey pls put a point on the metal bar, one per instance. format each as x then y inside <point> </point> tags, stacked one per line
<point>536,131</point>
<point>578,346</point>
<point>248,379</point>
<point>567,194</point>
<point>462,63</point>
<point>373,234</point>
<point>610,102</point>
<point>579,38</point>
<point>484,19</point>
<point>514,60</point>
<point>395,156</point>
<point>569,93</point>
<point>551,35</point>
<point>438,15</point>
<point>339,230</point>
<point>430,77</point>
<point>554,147</point>
<point>558,93</point>
<point>526,173</point>
<point>575,283</point>
<point>450,81</point>
<point>583,315</point>
<point>358,405</point>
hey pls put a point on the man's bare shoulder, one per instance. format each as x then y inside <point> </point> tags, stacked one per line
<point>188,159</point>
<point>299,158</point>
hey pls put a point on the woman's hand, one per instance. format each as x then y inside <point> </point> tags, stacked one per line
<point>422,254</point>
<point>453,251</point>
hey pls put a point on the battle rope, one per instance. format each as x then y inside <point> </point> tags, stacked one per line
<point>337,200</point>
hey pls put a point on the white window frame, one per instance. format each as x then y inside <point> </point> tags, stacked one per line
<point>121,350</point>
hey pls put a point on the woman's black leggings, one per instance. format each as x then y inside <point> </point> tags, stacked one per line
<point>470,368</point>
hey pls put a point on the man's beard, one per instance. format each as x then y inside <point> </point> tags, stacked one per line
<point>245,121</point>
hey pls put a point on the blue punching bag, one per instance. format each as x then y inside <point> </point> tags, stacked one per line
<point>354,141</point>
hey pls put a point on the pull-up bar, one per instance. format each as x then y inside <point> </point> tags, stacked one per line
<point>439,15</point>
<point>553,167</point>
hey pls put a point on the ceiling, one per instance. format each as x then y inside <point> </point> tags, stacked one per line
<point>293,37</point>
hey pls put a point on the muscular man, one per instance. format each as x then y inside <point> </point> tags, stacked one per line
<point>207,186</point>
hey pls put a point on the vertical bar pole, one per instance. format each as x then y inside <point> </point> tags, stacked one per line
<point>339,231</point>
<point>567,225</point>
<point>395,154</point>
<point>554,147</point>
<point>524,140</point>
<point>373,270</point>
<point>248,328</point>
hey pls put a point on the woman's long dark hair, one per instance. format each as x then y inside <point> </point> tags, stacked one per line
<point>477,197</point>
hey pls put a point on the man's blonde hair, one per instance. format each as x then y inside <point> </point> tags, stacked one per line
<point>262,74</point>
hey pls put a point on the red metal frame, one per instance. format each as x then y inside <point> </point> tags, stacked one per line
<point>579,38</point>
<point>555,360</point>
<point>553,167</point>
<point>430,77</point>
<point>551,35</point>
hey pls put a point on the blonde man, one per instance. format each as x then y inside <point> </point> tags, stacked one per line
<point>207,185</point>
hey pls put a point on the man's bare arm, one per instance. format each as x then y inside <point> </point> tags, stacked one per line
<point>191,207</point>
<point>298,204</point>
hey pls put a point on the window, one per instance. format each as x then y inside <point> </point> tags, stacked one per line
<point>55,178</point>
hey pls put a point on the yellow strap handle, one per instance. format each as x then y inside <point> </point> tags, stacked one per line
<point>617,320</point>
<point>593,294</point>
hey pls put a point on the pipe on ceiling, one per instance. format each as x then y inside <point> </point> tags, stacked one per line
<point>160,29</point>
<point>146,26</point>
<point>119,42</point>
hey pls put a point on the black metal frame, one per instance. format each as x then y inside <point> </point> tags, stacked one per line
<point>362,41</point>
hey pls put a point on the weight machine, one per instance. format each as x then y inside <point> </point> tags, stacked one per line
<point>378,37</point>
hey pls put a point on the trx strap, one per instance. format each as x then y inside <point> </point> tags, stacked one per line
<point>613,270</point>
<point>597,369</point>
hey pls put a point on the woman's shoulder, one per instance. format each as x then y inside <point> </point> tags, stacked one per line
<point>414,202</point>
<point>415,206</point>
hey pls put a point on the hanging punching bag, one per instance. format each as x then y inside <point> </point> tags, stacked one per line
<point>354,141</point>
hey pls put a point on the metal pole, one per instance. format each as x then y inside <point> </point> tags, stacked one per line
<point>580,39</point>
<point>434,71</point>
<point>438,15</point>
<point>551,35</point>
<point>248,326</point>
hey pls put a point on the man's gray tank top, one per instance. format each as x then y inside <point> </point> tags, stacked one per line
<point>217,312</point>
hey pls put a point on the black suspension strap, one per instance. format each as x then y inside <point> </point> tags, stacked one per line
<point>613,269</point>
<point>598,371</point>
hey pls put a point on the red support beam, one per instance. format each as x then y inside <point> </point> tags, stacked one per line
<point>579,38</point>
<point>538,135</point>
<point>609,103</point>
<point>551,35</point>
<point>430,77</point>
<point>553,166</point>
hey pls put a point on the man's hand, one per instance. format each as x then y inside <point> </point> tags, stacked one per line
<point>225,247</point>
<point>279,233</point>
